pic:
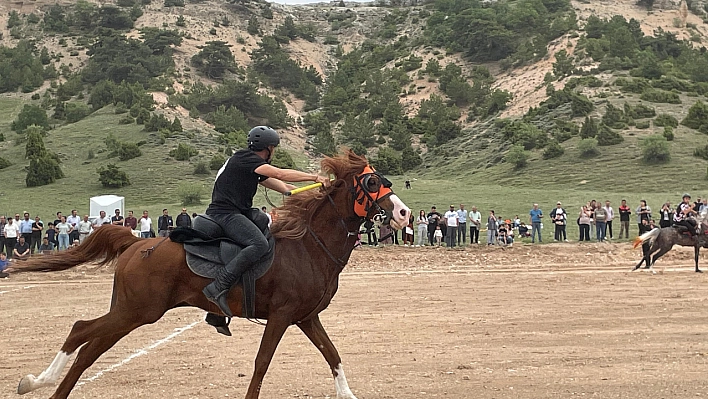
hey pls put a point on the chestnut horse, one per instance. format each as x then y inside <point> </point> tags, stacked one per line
<point>316,232</point>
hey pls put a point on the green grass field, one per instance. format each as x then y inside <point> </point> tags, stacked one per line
<point>616,174</point>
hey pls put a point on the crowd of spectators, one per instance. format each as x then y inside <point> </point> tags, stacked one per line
<point>596,222</point>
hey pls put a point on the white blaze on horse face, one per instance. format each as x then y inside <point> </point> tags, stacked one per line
<point>340,382</point>
<point>48,377</point>
<point>400,213</point>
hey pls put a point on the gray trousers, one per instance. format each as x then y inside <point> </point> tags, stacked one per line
<point>450,236</point>
<point>462,234</point>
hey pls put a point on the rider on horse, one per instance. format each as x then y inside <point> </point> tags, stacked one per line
<point>235,186</point>
<point>682,216</point>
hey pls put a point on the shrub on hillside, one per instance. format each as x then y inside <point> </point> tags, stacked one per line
<point>588,148</point>
<point>701,152</point>
<point>668,133</point>
<point>656,149</point>
<point>201,169</point>
<point>216,162</point>
<point>128,151</point>
<point>697,117</point>
<point>642,124</point>
<point>517,156</point>
<point>112,176</point>
<point>214,59</point>
<point>30,115</point>
<point>662,120</point>
<point>660,96</point>
<point>4,163</point>
<point>614,117</point>
<point>607,136</point>
<point>183,152</point>
<point>410,159</point>
<point>388,161</point>
<point>75,112</point>
<point>42,171</point>
<point>639,111</point>
<point>589,128</point>
<point>282,159</point>
<point>190,193</point>
<point>553,150</point>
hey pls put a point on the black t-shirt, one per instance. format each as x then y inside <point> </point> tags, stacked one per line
<point>117,219</point>
<point>21,248</point>
<point>236,183</point>
<point>37,225</point>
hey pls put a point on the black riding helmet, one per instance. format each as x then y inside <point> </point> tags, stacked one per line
<point>261,137</point>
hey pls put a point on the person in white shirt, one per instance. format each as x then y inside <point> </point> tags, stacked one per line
<point>101,220</point>
<point>12,230</point>
<point>610,216</point>
<point>145,225</point>
<point>73,221</point>
<point>475,223</point>
<point>451,219</point>
<point>462,225</point>
<point>270,218</point>
<point>85,229</point>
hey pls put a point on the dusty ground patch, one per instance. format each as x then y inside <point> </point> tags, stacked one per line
<point>552,321</point>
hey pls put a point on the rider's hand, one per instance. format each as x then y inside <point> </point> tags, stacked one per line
<point>324,180</point>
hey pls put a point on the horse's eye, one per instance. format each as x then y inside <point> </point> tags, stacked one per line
<point>373,184</point>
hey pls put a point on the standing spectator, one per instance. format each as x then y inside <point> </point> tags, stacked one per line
<point>643,213</point>
<point>2,233</point>
<point>85,228</point>
<point>584,223</point>
<point>590,207</point>
<point>491,228</point>
<point>610,217</point>
<point>37,228</point>
<point>12,231</point>
<point>536,215</point>
<point>451,223</point>
<point>74,221</point>
<point>475,225</point>
<point>145,225</point>
<point>600,223</point>
<point>438,235</point>
<point>26,228</point>
<point>63,230</point>
<point>131,222</point>
<point>560,219</point>
<point>117,220</point>
<point>98,222</point>
<point>422,223</point>
<point>666,215</point>
<point>164,224</point>
<point>697,205</point>
<point>183,219</point>
<point>433,219</point>
<point>22,249</point>
<point>58,219</point>
<point>263,209</point>
<point>624,213</point>
<point>408,184</point>
<point>52,235</point>
<point>408,237</point>
<point>462,225</point>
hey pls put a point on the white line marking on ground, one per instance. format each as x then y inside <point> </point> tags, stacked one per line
<point>17,289</point>
<point>144,351</point>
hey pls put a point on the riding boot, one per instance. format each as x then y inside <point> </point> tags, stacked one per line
<point>217,291</point>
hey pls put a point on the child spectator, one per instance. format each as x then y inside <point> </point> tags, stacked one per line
<point>438,236</point>
<point>524,230</point>
<point>51,236</point>
<point>4,264</point>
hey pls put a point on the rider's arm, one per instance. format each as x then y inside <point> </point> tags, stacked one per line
<point>277,185</point>
<point>290,175</point>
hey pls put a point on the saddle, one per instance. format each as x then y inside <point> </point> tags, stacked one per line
<point>683,230</point>
<point>208,251</point>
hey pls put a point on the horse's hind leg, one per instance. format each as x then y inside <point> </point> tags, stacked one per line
<point>697,250</point>
<point>318,336</point>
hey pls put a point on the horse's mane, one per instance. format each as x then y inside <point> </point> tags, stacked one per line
<point>297,210</point>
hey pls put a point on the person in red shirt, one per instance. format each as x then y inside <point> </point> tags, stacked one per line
<point>624,213</point>
<point>131,222</point>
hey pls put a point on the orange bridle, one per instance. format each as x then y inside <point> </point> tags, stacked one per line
<point>369,188</point>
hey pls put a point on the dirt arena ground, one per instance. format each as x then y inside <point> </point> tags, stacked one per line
<point>551,321</point>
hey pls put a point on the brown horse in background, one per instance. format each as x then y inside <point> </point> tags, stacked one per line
<point>662,240</point>
<point>315,233</point>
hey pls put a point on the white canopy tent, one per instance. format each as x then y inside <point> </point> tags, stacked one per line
<point>107,203</point>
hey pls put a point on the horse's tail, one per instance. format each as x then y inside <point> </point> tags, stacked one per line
<point>104,244</point>
<point>650,235</point>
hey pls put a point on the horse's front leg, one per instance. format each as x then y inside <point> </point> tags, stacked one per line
<point>272,335</point>
<point>316,333</point>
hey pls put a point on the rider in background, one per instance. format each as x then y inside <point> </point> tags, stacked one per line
<point>235,186</point>
<point>683,212</point>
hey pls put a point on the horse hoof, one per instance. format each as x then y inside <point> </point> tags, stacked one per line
<point>699,271</point>
<point>25,385</point>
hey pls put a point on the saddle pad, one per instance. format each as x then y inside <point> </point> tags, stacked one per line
<point>206,260</point>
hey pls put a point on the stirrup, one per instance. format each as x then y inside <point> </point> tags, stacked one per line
<point>221,323</point>
<point>219,299</point>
